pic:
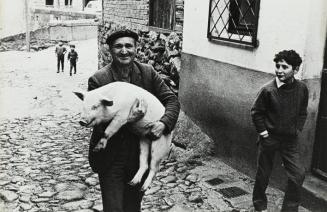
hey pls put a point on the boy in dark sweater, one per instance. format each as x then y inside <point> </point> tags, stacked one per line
<point>279,113</point>
<point>72,57</point>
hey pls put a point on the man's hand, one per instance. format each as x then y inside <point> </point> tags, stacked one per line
<point>137,111</point>
<point>157,129</point>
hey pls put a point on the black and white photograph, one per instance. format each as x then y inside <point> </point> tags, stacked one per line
<point>163,106</point>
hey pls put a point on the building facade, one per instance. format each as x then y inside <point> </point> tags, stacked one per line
<point>228,51</point>
<point>72,5</point>
<point>40,14</point>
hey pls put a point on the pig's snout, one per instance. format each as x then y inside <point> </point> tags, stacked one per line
<point>87,123</point>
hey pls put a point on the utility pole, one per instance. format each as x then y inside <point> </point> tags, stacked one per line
<point>28,38</point>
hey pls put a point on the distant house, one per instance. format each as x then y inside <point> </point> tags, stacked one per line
<point>72,5</point>
<point>44,12</point>
<point>228,47</point>
<point>41,12</point>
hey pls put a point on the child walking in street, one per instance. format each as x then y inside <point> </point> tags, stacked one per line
<point>279,113</point>
<point>72,57</point>
<point>60,53</point>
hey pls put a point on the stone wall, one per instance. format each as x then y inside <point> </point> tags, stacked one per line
<point>41,17</point>
<point>135,14</point>
<point>131,14</point>
<point>68,31</point>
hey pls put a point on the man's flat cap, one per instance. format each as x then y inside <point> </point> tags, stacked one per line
<point>121,33</point>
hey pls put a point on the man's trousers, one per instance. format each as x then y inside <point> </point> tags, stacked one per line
<point>117,194</point>
<point>60,60</point>
<point>289,151</point>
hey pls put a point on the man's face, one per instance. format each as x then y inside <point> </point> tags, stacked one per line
<point>123,51</point>
<point>284,71</point>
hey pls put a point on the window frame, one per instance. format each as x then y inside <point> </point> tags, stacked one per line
<point>239,30</point>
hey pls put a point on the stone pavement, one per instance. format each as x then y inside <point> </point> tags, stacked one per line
<point>43,150</point>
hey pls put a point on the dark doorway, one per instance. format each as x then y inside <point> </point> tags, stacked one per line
<point>320,147</point>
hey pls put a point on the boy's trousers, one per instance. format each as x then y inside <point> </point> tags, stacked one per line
<point>289,151</point>
<point>72,66</point>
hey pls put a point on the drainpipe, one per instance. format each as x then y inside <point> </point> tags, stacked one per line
<point>28,39</point>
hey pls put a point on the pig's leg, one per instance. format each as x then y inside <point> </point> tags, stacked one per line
<point>117,122</point>
<point>144,155</point>
<point>159,149</point>
<point>137,110</point>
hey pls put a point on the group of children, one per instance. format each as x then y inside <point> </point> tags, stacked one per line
<point>72,57</point>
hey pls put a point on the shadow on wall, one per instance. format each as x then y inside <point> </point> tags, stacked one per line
<point>161,50</point>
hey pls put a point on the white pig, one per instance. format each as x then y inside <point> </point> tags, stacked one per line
<point>113,102</point>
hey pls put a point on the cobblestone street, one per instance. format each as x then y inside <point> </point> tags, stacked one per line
<point>43,150</point>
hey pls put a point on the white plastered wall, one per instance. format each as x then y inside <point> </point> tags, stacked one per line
<point>12,17</point>
<point>291,24</point>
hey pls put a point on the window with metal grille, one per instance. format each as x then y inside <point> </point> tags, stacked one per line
<point>162,14</point>
<point>234,21</point>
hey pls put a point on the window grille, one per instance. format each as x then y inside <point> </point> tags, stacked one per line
<point>234,21</point>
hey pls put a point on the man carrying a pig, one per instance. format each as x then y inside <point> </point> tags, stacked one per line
<point>118,162</point>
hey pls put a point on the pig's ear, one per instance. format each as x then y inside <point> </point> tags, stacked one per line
<point>79,95</point>
<point>106,102</point>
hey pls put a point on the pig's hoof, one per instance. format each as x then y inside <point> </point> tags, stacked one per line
<point>144,187</point>
<point>96,149</point>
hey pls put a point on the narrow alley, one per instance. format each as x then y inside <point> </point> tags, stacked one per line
<point>43,150</point>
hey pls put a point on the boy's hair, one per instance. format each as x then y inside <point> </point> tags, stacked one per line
<point>72,45</point>
<point>290,56</point>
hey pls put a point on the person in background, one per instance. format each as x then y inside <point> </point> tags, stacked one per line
<point>72,57</point>
<point>279,113</point>
<point>60,53</point>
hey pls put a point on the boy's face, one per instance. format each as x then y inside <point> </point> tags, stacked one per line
<point>284,71</point>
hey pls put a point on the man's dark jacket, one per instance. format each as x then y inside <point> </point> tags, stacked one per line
<point>125,142</point>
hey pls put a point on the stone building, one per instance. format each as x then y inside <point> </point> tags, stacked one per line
<point>72,5</point>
